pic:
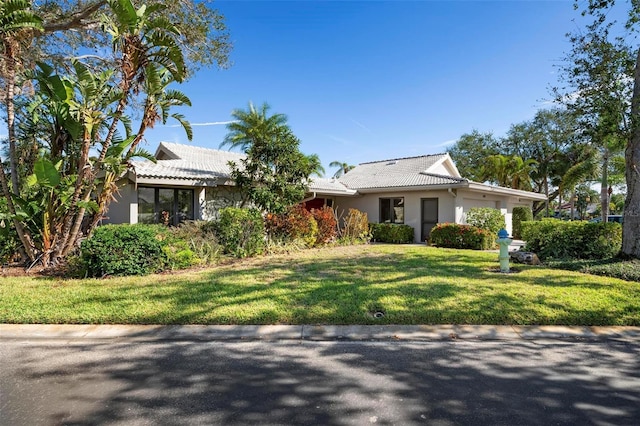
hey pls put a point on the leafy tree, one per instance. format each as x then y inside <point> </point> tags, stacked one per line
<point>470,153</point>
<point>275,174</point>
<point>597,77</point>
<point>631,227</point>
<point>548,140</point>
<point>510,171</point>
<point>78,110</point>
<point>343,168</point>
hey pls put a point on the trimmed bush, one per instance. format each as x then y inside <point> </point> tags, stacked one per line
<point>355,227</point>
<point>123,250</point>
<point>558,239</point>
<point>391,233</point>
<point>327,225</point>
<point>486,218</point>
<point>520,214</point>
<point>453,235</point>
<point>240,231</point>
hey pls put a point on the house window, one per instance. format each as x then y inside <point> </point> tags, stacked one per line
<point>170,206</point>
<point>391,210</point>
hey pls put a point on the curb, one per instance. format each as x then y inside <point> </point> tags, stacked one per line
<point>407,333</point>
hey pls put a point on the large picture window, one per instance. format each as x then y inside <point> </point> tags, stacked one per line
<point>392,210</point>
<point>169,206</point>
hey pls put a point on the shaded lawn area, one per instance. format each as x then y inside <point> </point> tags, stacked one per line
<point>411,284</point>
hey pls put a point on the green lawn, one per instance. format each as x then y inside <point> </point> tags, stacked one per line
<point>339,285</point>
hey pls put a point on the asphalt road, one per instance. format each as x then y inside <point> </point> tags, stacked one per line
<point>122,382</point>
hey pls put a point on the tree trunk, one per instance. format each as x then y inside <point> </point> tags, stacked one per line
<point>604,186</point>
<point>23,234</point>
<point>631,224</point>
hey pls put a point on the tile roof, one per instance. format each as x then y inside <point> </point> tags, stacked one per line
<point>396,173</point>
<point>332,186</point>
<point>178,161</point>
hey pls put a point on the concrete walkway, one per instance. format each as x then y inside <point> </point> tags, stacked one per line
<point>315,332</point>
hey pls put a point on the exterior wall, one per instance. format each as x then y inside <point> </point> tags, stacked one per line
<point>124,209</point>
<point>452,206</point>
<point>370,203</point>
<point>216,198</point>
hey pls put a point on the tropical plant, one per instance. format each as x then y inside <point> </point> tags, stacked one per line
<point>343,168</point>
<point>18,23</point>
<point>274,175</point>
<point>510,171</point>
<point>252,127</point>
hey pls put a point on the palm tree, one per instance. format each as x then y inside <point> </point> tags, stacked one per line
<point>159,101</point>
<point>315,165</point>
<point>343,168</point>
<point>17,26</point>
<point>252,126</point>
<point>143,39</point>
<point>510,171</point>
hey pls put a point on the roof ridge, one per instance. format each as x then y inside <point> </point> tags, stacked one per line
<point>444,176</point>
<point>169,144</point>
<point>403,158</point>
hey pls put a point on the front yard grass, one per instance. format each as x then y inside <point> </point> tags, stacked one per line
<point>409,284</point>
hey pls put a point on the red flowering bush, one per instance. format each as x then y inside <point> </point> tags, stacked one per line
<point>453,235</point>
<point>297,223</point>
<point>327,225</point>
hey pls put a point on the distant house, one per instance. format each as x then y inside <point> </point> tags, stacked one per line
<point>190,182</point>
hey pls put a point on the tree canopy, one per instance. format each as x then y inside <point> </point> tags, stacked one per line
<point>95,67</point>
<point>275,174</point>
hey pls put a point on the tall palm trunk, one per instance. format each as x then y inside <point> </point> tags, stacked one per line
<point>631,224</point>
<point>10,79</point>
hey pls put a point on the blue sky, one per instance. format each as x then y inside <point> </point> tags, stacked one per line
<point>367,80</point>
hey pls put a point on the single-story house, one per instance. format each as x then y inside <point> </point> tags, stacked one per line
<point>189,182</point>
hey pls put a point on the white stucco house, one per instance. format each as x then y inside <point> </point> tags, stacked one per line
<point>189,182</point>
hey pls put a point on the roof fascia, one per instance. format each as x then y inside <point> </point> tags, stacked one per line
<point>413,188</point>
<point>481,187</point>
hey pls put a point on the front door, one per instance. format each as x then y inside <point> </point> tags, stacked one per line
<point>429,216</point>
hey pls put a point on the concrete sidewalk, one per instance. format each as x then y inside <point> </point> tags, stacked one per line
<point>315,332</point>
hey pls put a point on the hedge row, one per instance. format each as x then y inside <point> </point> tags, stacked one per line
<point>557,239</point>
<point>391,233</point>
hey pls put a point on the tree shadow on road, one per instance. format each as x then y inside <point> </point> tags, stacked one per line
<point>453,382</point>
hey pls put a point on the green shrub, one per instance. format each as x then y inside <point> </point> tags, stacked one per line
<point>9,242</point>
<point>123,250</point>
<point>520,214</point>
<point>453,235</point>
<point>240,231</point>
<point>486,218</point>
<point>557,239</point>
<point>197,237</point>
<point>391,233</point>
<point>355,228</point>
<point>615,268</point>
<point>327,225</point>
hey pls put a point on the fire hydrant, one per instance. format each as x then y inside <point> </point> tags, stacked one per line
<point>504,241</point>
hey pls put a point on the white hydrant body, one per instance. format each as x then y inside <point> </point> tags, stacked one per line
<point>504,241</point>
